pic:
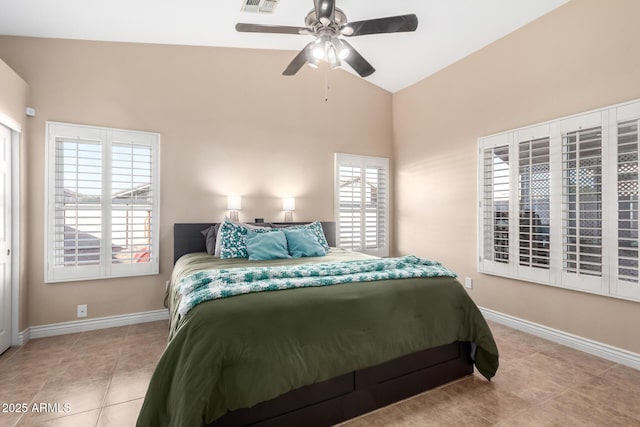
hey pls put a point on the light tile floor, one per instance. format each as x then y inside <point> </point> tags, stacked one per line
<point>539,383</point>
<point>103,376</point>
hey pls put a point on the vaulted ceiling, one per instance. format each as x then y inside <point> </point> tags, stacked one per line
<point>448,30</point>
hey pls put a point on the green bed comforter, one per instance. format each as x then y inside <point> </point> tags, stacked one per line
<point>235,352</point>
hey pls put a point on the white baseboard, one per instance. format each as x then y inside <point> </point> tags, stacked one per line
<point>23,337</point>
<point>42,331</point>
<point>615,354</point>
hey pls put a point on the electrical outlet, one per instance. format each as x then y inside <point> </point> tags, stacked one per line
<point>468,282</point>
<point>82,310</point>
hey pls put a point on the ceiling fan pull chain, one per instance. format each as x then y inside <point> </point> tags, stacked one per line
<point>326,86</point>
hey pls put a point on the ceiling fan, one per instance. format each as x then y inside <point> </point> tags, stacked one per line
<point>329,24</point>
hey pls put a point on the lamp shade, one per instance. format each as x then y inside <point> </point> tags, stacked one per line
<point>234,203</point>
<point>288,204</point>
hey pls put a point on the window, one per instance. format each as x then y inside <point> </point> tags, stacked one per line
<point>102,202</point>
<point>362,203</point>
<point>559,202</point>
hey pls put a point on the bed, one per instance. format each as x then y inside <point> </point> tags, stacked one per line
<point>312,356</point>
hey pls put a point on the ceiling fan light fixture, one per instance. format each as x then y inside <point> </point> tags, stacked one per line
<point>318,51</point>
<point>341,48</point>
<point>321,47</point>
<point>332,57</point>
<point>313,62</point>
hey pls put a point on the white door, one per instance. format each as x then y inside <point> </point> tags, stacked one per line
<point>5,238</point>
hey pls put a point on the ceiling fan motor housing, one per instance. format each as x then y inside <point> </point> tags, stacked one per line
<point>312,22</point>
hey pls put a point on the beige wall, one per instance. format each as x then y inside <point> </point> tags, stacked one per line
<point>14,94</point>
<point>581,56</point>
<point>230,123</point>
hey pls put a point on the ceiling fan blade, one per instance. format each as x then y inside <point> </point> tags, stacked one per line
<point>392,24</point>
<point>298,62</point>
<point>277,29</point>
<point>325,11</point>
<point>357,62</point>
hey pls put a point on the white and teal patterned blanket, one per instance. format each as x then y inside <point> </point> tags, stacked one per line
<point>213,284</point>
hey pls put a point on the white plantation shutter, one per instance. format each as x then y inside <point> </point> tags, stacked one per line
<point>515,204</point>
<point>78,208</point>
<point>534,199</point>
<point>628,201</point>
<point>558,202</point>
<point>496,199</point>
<point>582,202</point>
<point>131,203</point>
<point>102,197</point>
<point>350,215</point>
<point>362,203</point>
<point>628,145</point>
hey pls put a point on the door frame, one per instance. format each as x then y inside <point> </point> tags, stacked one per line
<point>16,134</point>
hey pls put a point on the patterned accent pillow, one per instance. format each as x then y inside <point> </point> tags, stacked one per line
<point>233,239</point>
<point>316,228</point>
<point>250,226</point>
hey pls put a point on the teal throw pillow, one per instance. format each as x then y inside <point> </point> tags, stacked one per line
<point>303,242</point>
<point>262,246</point>
<point>316,228</point>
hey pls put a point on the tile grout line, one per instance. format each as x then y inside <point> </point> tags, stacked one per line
<point>106,394</point>
<point>537,406</point>
<point>599,375</point>
<point>32,401</point>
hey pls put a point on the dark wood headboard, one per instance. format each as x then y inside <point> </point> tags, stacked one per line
<point>188,238</point>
